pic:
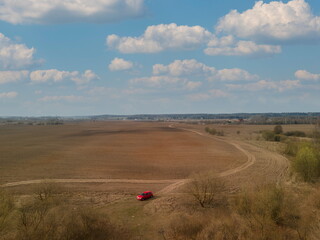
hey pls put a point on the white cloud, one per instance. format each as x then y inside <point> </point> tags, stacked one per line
<point>191,67</point>
<point>8,95</point>
<point>161,37</point>
<point>61,11</point>
<point>274,21</point>
<point>242,48</point>
<point>266,85</point>
<point>158,81</point>
<point>15,56</point>
<point>119,64</point>
<point>213,93</point>
<point>54,75</point>
<point>234,74</point>
<point>12,76</point>
<point>305,75</point>
<point>183,68</point>
<point>192,85</point>
<point>84,78</point>
<point>70,98</point>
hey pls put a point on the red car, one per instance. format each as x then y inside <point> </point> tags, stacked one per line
<point>145,195</point>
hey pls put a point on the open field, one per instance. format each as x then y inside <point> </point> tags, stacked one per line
<point>129,153</point>
<point>103,165</point>
<point>110,150</point>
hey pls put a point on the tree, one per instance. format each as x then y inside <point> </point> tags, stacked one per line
<point>278,129</point>
<point>205,188</point>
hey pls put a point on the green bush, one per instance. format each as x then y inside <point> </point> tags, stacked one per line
<point>307,163</point>
<point>211,130</point>
<point>268,135</point>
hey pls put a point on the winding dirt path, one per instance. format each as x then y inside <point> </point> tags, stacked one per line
<point>250,161</point>
<point>275,165</point>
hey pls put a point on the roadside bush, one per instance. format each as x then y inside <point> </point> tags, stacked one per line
<point>206,189</point>
<point>211,130</point>
<point>307,163</point>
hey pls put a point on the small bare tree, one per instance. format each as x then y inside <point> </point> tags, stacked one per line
<point>206,188</point>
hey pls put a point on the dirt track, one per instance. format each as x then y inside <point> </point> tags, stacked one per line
<point>260,165</point>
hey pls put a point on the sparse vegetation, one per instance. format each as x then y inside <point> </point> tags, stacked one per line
<point>267,212</point>
<point>206,188</point>
<point>6,213</point>
<point>49,218</point>
<point>295,134</point>
<point>278,129</point>
<point>216,210</point>
<point>307,163</point>
<point>213,131</point>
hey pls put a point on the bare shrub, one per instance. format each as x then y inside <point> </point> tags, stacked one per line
<point>47,191</point>
<point>49,218</point>
<point>206,189</point>
<point>227,228</point>
<point>184,227</point>
<point>6,212</point>
<point>269,212</point>
<point>87,224</point>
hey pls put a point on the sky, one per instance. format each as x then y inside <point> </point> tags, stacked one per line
<point>79,57</point>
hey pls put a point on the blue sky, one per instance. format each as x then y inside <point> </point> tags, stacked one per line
<point>81,57</point>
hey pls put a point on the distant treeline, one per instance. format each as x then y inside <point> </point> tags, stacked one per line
<point>232,118</point>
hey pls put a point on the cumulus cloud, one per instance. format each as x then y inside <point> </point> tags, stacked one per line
<point>192,85</point>
<point>54,75</point>
<point>158,81</point>
<point>8,95</point>
<point>273,22</point>
<point>70,98</point>
<point>234,74</point>
<point>119,64</point>
<point>305,75</point>
<point>15,56</point>
<point>61,11</point>
<point>243,48</point>
<point>183,68</point>
<point>266,85</point>
<point>161,37</point>
<point>213,93</point>
<point>191,67</point>
<point>12,76</point>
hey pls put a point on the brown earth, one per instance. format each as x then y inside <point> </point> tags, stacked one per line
<point>110,150</point>
<point>134,155</point>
